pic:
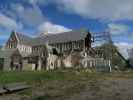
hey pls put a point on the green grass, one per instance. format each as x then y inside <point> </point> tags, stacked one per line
<point>38,76</point>
<point>30,77</point>
<point>8,77</point>
<point>60,83</point>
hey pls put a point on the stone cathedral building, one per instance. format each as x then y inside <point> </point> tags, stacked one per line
<point>49,51</point>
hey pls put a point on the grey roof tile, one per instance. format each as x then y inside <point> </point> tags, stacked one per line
<point>61,37</point>
<point>53,38</point>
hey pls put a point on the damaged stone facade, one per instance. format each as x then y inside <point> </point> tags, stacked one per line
<point>64,50</point>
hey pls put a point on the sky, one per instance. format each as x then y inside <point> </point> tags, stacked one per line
<point>33,17</point>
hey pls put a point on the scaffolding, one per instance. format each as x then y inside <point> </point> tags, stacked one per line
<point>102,38</point>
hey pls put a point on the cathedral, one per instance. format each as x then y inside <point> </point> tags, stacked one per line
<point>49,51</point>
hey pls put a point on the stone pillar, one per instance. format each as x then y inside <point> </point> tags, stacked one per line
<point>48,63</point>
<point>33,67</point>
<point>91,65</point>
<point>39,64</point>
<point>62,47</point>
<point>110,69</point>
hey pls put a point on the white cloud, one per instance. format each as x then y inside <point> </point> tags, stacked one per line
<point>103,9</point>
<point>118,28</point>
<point>48,27</point>
<point>123,47</point>
<point>30,16</point>
<point>9,23</point>
<point>42,2</point>
<point>33,1</point>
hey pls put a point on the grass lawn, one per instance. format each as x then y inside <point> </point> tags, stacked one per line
<point>66,85</point>
<point>38,76</point>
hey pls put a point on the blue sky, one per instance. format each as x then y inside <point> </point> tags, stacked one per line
<point>32,17</point>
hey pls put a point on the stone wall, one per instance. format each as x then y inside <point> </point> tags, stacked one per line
<point>7,62</point>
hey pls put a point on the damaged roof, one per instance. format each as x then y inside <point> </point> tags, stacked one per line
<point>61,37</point>
<point>74,35</point>
<point>23,39</point>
